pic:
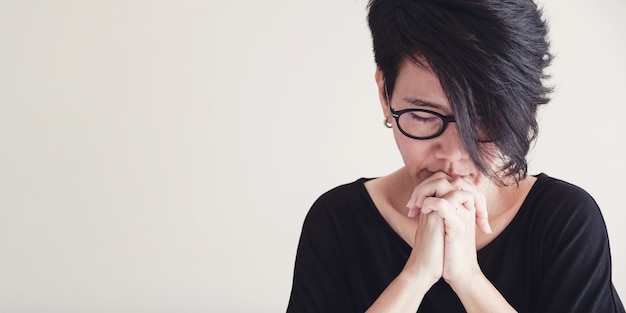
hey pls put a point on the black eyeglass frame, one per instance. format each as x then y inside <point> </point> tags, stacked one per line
<point>396,115</point>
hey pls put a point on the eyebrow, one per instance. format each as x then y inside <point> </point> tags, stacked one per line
<point>422,103</point>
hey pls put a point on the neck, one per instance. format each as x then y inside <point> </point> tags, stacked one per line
<point>502,200</point>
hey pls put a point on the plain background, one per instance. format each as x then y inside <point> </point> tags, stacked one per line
<point>160,156</point>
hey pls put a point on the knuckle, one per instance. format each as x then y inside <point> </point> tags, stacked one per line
<point>440,201</point>
<point>440,175</point>
<point>458,182</point>
<point>434,203</point>
<point>458,196</point>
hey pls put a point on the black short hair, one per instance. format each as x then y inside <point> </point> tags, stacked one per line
<point>490,57</point>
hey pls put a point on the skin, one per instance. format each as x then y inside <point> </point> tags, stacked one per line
<point>440,205</point>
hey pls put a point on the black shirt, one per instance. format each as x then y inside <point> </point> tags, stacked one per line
<point>553,257</point>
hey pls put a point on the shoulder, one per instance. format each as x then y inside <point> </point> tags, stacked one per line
<point>342,194</point>
<point>553,196</point>
<point>338,203</point>
<point>562,213</point>
<point>570,247</point>
<point>559,189</point>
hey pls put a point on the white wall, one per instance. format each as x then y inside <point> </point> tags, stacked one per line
<point>160,156</point>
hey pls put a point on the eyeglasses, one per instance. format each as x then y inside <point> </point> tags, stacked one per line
<point>419,124</point>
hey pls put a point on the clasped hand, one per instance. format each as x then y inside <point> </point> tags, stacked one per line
<point>447,211</point>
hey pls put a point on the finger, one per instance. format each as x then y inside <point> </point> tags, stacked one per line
<point>453,218</point>
<point>481,202</point>
<point>482,215</point>
<point>436,185</point>
<point>454,204</point>
<point>483,225</point>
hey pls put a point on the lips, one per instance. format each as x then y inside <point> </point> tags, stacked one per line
<point>452,174</point>
<point>424,174</point>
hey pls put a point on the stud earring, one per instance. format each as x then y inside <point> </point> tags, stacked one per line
<point>387,122</point>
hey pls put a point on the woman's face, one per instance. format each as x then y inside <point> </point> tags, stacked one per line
<point>418,87</point>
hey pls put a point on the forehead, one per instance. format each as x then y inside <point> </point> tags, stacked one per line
<point>418,82</point>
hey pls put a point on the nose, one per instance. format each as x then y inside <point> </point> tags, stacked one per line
<point>449,146</point>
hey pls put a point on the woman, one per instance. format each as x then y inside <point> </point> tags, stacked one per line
<point>461,227</point>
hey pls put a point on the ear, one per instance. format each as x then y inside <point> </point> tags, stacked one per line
<point>380,83</point>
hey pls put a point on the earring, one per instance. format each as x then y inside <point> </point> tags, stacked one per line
<point>387,122</point>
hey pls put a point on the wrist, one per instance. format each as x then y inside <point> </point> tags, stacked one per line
<point>467,283</point>
<point>420,280</point>
<point>478,294</point>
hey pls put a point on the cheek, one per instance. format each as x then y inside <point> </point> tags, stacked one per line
<point>413,152</point>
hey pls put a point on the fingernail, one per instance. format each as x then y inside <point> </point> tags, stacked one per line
<point>411,214</point>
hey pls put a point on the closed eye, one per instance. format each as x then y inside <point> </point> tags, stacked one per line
<point>423,117</point>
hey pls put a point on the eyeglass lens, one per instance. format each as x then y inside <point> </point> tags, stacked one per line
<point>420,123</point>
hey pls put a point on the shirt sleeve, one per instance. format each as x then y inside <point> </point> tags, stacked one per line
<point>318,283</point>
<point>576,270</point>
